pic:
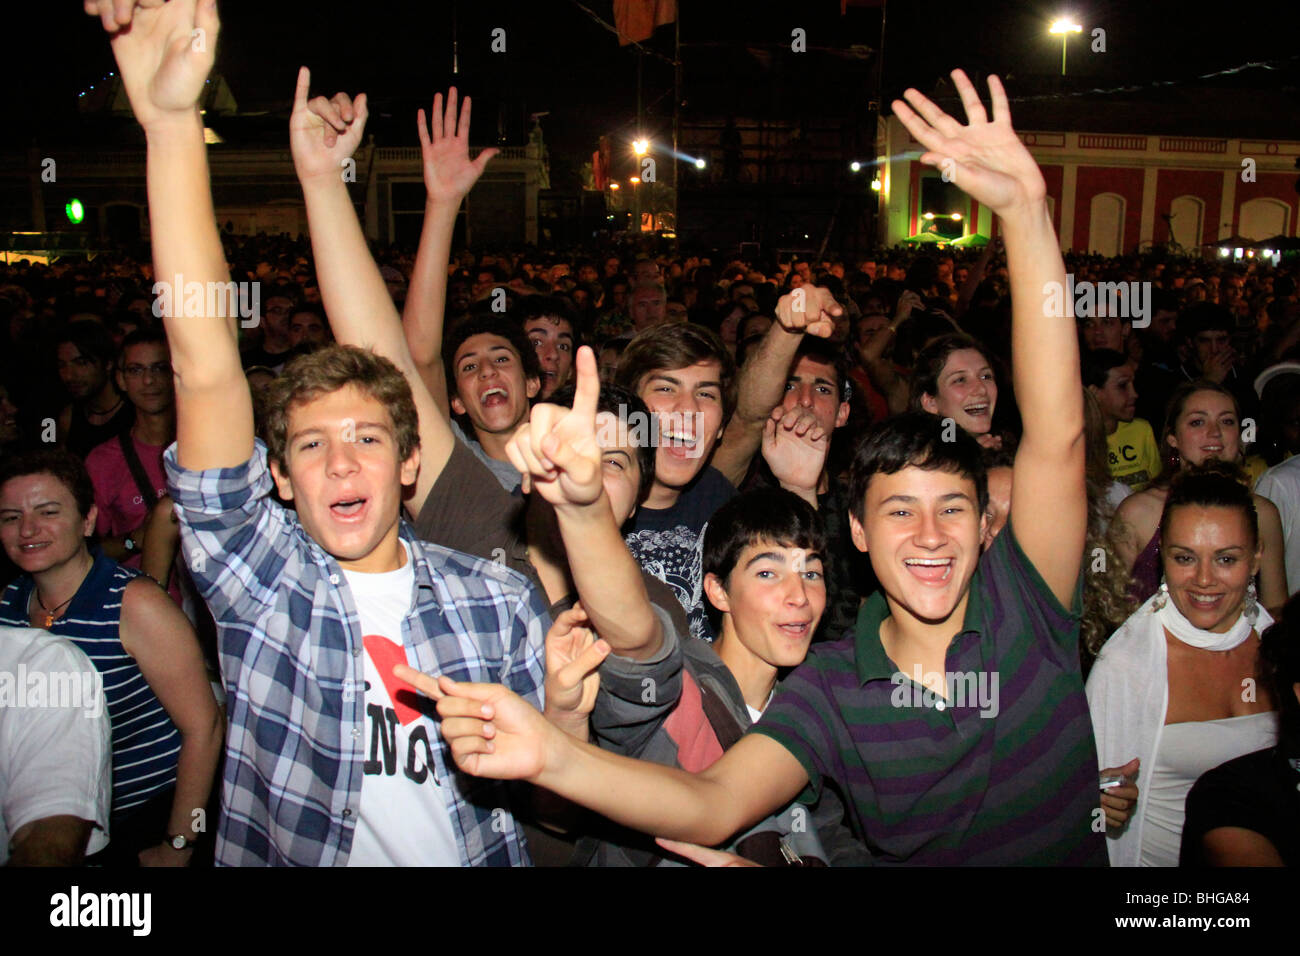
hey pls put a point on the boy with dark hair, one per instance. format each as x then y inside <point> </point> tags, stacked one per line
<point>929,775</point>
<point>552,327</point>
<point>98,411</point>
<point>1133,454</point>
<point>315,605</point>
<point>687,378</point>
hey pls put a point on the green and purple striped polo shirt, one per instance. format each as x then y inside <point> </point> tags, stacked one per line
<point>1002,773</point>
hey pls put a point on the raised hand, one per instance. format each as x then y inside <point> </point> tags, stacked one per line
<point>117,13</point>
<point>795,447</point>
<point>324,133</point>
<point>164,52</point>
<point>556,450</point>
<point>810,309</point>
<point>449,174</point>
<point>986,159</point>
<point>491,730</point>
<point>573,653</point>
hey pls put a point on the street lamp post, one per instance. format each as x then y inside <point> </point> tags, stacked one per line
<point>1064,27</point>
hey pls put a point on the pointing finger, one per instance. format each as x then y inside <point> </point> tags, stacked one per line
<point>587,395</point>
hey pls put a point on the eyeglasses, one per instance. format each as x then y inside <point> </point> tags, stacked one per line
<point>158,369</point>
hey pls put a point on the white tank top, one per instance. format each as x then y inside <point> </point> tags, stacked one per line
<point>1188,750</point>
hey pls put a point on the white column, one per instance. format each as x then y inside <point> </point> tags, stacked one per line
<point>1147,224</point>
<point>1228,201</point>
<point>1069,189</point>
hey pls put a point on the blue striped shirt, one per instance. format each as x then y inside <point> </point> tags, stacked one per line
<point>146,744</point>
<point>290,644</point>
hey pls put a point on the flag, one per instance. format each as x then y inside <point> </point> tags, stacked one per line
<point>636,19</point>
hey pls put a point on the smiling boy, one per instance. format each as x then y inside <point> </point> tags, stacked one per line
<point>315,605</point>
<point>938,784</point>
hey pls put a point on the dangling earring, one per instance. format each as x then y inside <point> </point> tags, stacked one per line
<point>1162,596</point>
<point>1251,607</point>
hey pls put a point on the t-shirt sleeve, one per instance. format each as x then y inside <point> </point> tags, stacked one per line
<point>231,530</point>
<point>636,697</point>
<point>802,718</point>
<point>466,509</point>
<point>1012,582</point>
<point>1235,794</point>
<point>57,759</point>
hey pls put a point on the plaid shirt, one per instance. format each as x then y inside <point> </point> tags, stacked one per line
<point>291,660</point>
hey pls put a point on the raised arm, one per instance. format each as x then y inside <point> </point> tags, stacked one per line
<point>448,177</point>
<point>324,134</point>
<point>494,733</point>
<point>165,54</point>
<point>761,381</point>
<point>558,453</point>
<point>987,160</point>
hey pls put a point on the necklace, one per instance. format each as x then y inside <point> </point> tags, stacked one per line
<point>50,613</point>
<point>108,411</point>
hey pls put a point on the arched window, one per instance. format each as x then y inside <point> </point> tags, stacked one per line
<point>1264,219</point>
<point>1106,224</point>
<point>1187,217</point>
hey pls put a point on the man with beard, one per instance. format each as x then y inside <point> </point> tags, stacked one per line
<point>98,411</point>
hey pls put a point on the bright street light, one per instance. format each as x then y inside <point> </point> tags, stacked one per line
<point>956,217</point>
<point>634,180</point>
<point>699,164</point>
<point>640,146</point>
<point>1064,27</point>
<point>855,166</point>
<point>613,186</point>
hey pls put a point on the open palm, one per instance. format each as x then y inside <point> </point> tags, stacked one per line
<point>165,55</point>
<point>449,174</point>
<point>987,159</point>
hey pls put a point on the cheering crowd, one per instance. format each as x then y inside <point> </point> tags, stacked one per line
<point>620,557</point>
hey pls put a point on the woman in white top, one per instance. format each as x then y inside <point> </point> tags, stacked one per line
<point>1173,692</point>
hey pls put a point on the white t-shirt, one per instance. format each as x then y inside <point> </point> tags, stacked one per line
<point>1281,485</point>
<point>55,747</point>
<point>403,819</point>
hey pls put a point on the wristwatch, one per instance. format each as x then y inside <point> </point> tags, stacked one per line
<point>180,842</point>
<point>128,542</point>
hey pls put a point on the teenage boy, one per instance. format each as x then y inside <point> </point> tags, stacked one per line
<point>952,780</point>
<point>315,605</point>
<point>687,378</point>
<point>98,411</point>
<point>796,441</point>
<point>551,327</point>
<point>692,701</point>
<point>1133,455</point>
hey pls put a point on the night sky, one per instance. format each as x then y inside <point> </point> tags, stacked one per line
<point>559,61</point>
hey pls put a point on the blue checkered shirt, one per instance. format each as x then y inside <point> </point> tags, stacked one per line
<point>291,659</point>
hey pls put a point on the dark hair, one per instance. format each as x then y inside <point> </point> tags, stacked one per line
<point>1215,484</point>
<point>826,352</point>
<point>916,439</point>
<point>549,306</point>
<point>63,465</point>
<point>678,345</point>
<point>1204,317</point>
<point>92,340</point>
<point>491,323</point>
<point>142,336</point>
<point>763,514</point>
<point>1279,671</point>
<point>930,362</point>
<point>1096,364</point>
<point>628,408</point>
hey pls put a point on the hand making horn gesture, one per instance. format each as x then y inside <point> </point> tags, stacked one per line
<point>324,133</point>
<point>556,450</point>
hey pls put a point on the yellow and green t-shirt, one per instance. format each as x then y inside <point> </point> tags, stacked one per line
<point>1134,456</point>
